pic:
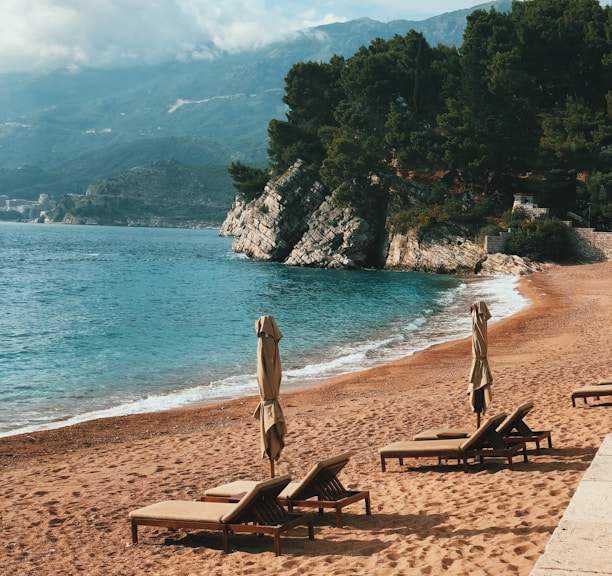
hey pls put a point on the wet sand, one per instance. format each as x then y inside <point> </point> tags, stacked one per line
<point>66,493</point>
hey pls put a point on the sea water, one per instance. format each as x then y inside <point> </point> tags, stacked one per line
<point>104,321</point>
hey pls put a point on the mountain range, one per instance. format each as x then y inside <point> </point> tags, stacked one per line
<point>62,132</point>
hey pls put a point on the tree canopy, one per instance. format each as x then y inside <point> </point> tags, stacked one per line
<point>524,104</point>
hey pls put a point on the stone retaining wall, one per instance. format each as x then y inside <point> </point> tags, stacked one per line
<point>589,245</point>
<point>592,245</point>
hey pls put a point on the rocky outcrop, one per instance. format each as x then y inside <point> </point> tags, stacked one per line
<point>452,254</point>
<point>294,222</point>
<point>447,254</point>
<point>269,227</point>
<point>336,238</point>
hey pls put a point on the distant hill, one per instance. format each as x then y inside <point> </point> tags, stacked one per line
<point>64,131</point>
<point>165,193</point>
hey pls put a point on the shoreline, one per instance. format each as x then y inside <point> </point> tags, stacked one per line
<point>68,491</point>
<point>301,377</point>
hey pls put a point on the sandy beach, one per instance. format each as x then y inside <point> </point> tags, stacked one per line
<point>66,493</point>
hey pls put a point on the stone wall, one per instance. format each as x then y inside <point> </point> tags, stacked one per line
<point>592,246</point>
<point>495,244</point>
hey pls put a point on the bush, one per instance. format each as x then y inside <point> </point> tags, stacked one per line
<point>490,230</point>
<point>420,220</point>
<point>541,240</point>
<point>515,218</point>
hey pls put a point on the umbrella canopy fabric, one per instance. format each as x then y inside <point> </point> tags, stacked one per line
<point>479,387</point>
<point>269,412</point>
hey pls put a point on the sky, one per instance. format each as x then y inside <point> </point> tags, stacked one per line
<point>43,35</point>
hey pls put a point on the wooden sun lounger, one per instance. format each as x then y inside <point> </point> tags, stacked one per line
<point>485,442</point>
<point>320,488</point>
<point>513,429</point>
<point>594,391</point>
<point>258,512</point>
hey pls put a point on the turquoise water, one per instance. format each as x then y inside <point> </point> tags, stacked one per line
<point>101,321</point>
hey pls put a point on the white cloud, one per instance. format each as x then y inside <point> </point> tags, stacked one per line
<point>41,35</point>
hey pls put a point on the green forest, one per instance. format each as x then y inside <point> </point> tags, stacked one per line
<point>524,105</point>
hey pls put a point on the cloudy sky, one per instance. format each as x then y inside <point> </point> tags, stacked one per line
<point>42,35</point>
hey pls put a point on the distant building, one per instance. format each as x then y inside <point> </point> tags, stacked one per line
<point>494,244</point>
<point>29,209</point>
<point>525,202</point>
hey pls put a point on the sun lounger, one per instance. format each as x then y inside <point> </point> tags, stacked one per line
<point>320,488</point>
<point>515,429</point>
<point>258,512</point>
<point>485,442</point>
<point>512,429</point>
<point>595,391</point>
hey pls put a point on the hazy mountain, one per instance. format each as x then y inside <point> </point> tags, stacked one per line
<point>72,129</point>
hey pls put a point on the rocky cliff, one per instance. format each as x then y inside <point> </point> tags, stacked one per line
<point>295,222</point>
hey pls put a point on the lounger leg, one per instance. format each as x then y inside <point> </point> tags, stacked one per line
<point>573,402</point>
<point>226,539</point>
<point>383,464</point>
<point>550,442</point>
<point>510,466</point>
<point>338,518</point>
<point>134,532</point>
<point>277,547</point>
<point>367,505</point>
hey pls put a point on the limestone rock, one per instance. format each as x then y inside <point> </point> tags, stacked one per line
<point>452,254</point>
<point>508,264</point>
<point>449,254</point>
<point>293,221</point>
<point>336,238</point>
<point>269,227</point>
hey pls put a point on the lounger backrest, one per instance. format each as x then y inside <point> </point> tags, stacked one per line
<point>320,472</point>
<point>265,490</point>
<point>515,419</point>
<point>485,430</point>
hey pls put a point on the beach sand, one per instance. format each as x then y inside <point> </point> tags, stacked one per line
<point>66,493</point>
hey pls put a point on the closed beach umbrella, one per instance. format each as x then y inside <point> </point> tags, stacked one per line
<point>269,411</point>
<point>479,387</point>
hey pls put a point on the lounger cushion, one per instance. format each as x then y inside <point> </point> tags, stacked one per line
<point>596,389</point>
<point>231,489</point>
<point>185,511</point>
<point>241,486</point>
<point>435,433</point>
<point>422,447</point>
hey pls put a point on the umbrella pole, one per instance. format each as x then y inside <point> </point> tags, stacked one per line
<point>271,468</point>
<point>477,419</point>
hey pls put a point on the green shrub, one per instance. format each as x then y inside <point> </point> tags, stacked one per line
<point>541,240</point>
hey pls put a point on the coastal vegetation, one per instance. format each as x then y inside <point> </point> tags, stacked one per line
<point>524,105</point>
<point>166,193</point>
